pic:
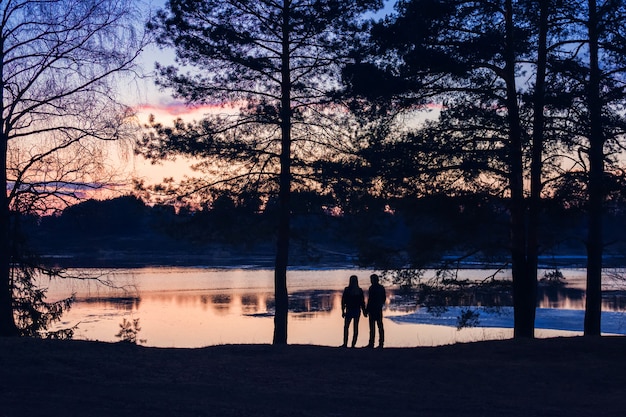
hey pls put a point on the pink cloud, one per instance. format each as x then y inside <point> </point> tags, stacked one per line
<point>176,108</point>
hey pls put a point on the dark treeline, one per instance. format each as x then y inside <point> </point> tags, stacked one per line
<point>433,232</point>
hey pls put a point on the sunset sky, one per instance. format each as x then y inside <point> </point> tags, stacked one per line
<point>146,98</point>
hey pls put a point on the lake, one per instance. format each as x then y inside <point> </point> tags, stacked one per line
<point>196,307</point>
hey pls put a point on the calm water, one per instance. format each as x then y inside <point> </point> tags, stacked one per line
<point>195,307</point>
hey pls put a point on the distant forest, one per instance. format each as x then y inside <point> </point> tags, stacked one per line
<point>429,232</point>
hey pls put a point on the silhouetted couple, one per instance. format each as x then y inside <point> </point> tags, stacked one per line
<point>353,302</point>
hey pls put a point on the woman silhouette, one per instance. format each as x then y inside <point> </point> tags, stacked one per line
<point>352,302</point>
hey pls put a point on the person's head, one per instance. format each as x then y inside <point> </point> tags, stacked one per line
<point>354,281</point>
<point>374,278</point>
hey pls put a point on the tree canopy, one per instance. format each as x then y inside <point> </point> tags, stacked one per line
<point>502,128</point>
<point>275,64</point>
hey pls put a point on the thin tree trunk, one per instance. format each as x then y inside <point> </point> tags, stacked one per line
<point>7,320</point>
<point>523,299</point>
<point>593,305</point>
<point>534,206</point>
<point>282,246</point>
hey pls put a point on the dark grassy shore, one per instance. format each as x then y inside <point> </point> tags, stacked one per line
<point>551,377</point>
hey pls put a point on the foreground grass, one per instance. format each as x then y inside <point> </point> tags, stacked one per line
<point>548,377</point>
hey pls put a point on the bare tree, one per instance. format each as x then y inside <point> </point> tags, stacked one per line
<point>60,62</point>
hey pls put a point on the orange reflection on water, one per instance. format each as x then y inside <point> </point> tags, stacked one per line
<point>195,307</point>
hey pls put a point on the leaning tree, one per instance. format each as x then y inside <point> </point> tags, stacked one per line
<point>60,61</point>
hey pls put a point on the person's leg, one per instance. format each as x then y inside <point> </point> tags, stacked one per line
<point>381,332</point>
<point>372,323</point>
<point>346,326</point>
<point>355,330</point>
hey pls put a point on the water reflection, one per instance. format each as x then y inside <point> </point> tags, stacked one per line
<point>121,303</point>
<point>221,303</point>
<point>574,299</point>
<point>250,304</point>
<point>561,297</point>
<point>614,300</point>
<point>319,302</point>
<point>187,307</point>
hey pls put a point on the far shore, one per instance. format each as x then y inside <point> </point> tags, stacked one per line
<point>574,377</point>
<point>265,260</point>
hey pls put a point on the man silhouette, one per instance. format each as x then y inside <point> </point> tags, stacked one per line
<point>375,302</point>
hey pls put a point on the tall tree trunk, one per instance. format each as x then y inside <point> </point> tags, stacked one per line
<point>593,306</point>
<point>7,320</point>
<point>284,196</point>
<point>523,294</point>
<point>534,204</point>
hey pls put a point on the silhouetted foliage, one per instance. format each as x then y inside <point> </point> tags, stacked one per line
<point>33,313</point>
<point>514,111</point>
<point>129,331</point>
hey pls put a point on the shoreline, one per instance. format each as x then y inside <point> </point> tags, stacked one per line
<point>266,261</point>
